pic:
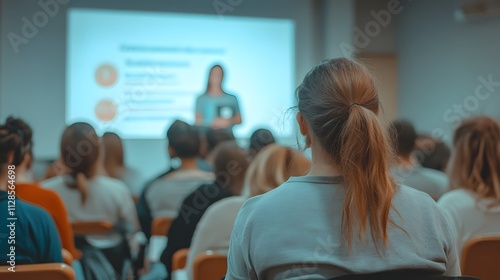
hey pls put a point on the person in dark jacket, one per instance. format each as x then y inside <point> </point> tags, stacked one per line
<point>230,166</point>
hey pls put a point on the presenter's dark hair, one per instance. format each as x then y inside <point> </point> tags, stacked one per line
<point>210,73</point>
<point>184,139</point>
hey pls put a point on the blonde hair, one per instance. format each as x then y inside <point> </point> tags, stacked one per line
<point>339,100</point>
<point>475,162</point>
<point>272,166</point>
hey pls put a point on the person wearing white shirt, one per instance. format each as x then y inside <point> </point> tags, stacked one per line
<point>474,205</point>
<point>166,194</point>
<point>91,197</point>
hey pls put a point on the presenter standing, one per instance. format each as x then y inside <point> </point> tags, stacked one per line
<point>215,108</point>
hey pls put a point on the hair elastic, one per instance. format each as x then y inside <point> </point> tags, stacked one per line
<point>354,103</point>
<point>13,129</point>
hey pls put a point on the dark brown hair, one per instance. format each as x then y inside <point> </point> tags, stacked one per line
<point>339,100</point>
<point>80,152</point>
<point>210,73</point>
<point>12,140</point>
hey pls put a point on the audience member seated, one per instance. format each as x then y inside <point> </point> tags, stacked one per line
<point>92,197</point>
<point>432,153</point>
<point>474,205</point>
<point>33,234</point>
<point>272,166</point>
<point>407,170</point>
<point>230,166</point>
<point>214,137</point>
<point>347,215</point>
<point>143,208</point>
<point>31,192</point>
<point>114,164</point>
<point>166,194</point>
<point>259,140</point>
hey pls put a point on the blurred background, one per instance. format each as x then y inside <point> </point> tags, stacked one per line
<point>436,62</point>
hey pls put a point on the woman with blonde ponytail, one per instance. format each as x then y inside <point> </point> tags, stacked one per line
<point>347,215</point>
<point>91,197</point>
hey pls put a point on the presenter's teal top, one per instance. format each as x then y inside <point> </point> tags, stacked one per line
<point>210,107</point>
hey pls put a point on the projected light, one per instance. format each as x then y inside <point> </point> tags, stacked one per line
<point>136,72</point>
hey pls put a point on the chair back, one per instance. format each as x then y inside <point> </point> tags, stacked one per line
<point>52,271</point>
<point>93,227</point>
<point>407,274</point>
<point>179,259</point>
<point>209,266</point>
<point>481,257</point>
<point>161,225</point>
<point>67,257</point>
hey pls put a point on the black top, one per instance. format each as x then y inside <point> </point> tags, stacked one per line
<point>182,229</point>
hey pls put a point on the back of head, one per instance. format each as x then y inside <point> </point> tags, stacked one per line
<point>260,138</point>
<point>15,138</point>
<point>113,153</point>
<point>230,166</point>
<point>23,130</point>
<point>273,166</point>
<point>432,153</point>
<point>339,101</point>
<point>404,137</point>
<point>216,136</point>
<point>184,139</point>
<point>475,160</point>
<point>80,152</point>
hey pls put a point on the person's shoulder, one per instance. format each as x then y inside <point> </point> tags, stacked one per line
<point>34,212</point>
<point>53,183</point>
<point>434,174</point>
<point>267,201</point>
<point>233,201</point>
<point>457,198</point>
<point>230,96</point>
<point>104,182</point>
<point>190,175</point>
<point>406,195</point>
<point>46,193</point>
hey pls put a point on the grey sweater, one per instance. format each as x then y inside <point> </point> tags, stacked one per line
<point>294,232</point>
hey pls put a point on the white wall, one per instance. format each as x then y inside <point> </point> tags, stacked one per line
<point>32,81</point>
<point>440,61</point>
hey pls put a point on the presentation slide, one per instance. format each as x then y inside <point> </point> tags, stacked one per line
<point>134,73</point>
